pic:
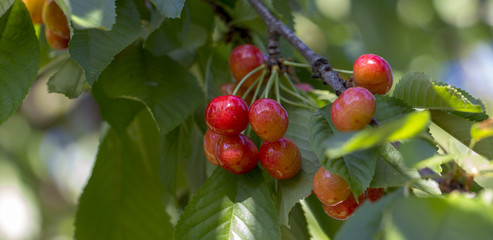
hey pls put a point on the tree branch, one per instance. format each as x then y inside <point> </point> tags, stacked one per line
<point>320,66</point>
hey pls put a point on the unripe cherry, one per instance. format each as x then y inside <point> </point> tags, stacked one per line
<point>330,188</point>
<point>237,154</point>
<point>227,115</point>
<point>35,8</point>
<point>268,119</point>
<point>353,110</point>
<point>281,158</point>
<point>242,60</point>
<point>55,19</point>
<point>373,73</point>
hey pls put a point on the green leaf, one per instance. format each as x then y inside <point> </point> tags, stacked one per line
<point>389,108</point>
<point>19,58</point>
<point>68,80</point>
<point>195,164</point>
<point>169,8</point>
<point>443,218</point>
<point>170,92</point>
<point>298,229</point>
<point>482,129</point>
<point>417,90</point>
<point>356,168</point>
<point>230,206</point>
<point>471,116</point>
<point>460,129</point>
<point>291,190</point>
<point>123,198</point>
<point>5,5</point>
<point>416,150</point>
<point>93,13</point>
<point>173,148</point>
<point>94,49</point>
<point>405,127</point>
<point>387,176</point>
<point>320,225</point>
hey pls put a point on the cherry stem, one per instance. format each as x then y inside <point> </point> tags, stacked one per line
<point>343,71</point>
<point>246,77</point>
<point>256,83</point>
<point>257,89</point>
<point>295,64</point>
<point>297,95</point>
<point>295,104</point>
<point>278,95</point>
<point>273,75</point>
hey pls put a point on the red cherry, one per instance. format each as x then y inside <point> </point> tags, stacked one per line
<point>373,194</point>
<point>228,89</point>
<point>268,119</point>
<point>353,110</point>
<point>237,154</point>
<point>210,142</point>
<point>373,73</point>
<point>56,41</point>
<point>330,188</point>
<point>227,115</point>
<point>343,210</point>
<point>242,60</point>
<point>281,158</point>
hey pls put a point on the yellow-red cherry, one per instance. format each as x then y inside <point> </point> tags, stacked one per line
<point>55,19</point>
<point>281,158</point>
<point>268,119</point>
<point>373,73</point>
<point>346,208</point>
<point>227,115</point>
<point>35,8</point>
<point>210,142</point>
<point>353,110</point>
<point>330,188</point>
<point>242,60</point>
<point>56,41</point>
<point>237,153</point>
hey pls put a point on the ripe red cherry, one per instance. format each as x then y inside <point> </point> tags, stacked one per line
<point>227,115</point>
<point>237,154</point>
<point>210,142</point>
<point>243,59</point>
<point>281,158</point>
<point>373,73</point>
<point>35,8</point>
<point>268,119</point>
<point>56,41</point>
<point>343,210</point>
<point>353,110</point>
<point>330,188</point>
<point>228,89</point>
<point>346,208</point>
<point>55,19</point>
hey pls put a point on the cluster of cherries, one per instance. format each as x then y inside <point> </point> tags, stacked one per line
<point>57,32</point>
<point>351,111</point>
<point>227,116</point>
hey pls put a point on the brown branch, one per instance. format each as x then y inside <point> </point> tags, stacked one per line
<point>320,66</point>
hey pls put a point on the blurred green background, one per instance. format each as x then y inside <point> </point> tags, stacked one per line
<point>48,147</point>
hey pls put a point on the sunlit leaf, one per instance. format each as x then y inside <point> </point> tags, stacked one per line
<point>19,58</point>
<point>230,206</point>
<point>460,129</point>
<point>93,13</point>
<point>482,129</point>
<point>417,90</point>
<point>405,127</point>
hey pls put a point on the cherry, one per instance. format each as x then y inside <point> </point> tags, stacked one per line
<point>343,210</point>
<point>210,142</point>
<point>373,73</point>
<point>330,188</point>
<point>55,19</point>
<point>281,158</point>
<point>268,119</point>
<point>227,115</point>
<point>35,8</point>
<point>353,110</point>
<point>346,208</point>
<point>242,60</point>
<point>237,154</point>
<point>56,41</point>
